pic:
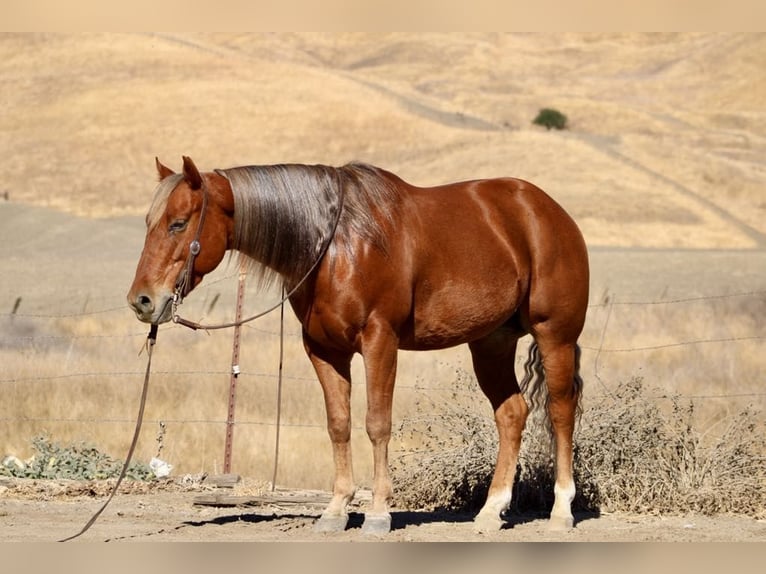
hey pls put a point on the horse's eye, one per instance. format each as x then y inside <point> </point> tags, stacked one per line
<point>177,225</point>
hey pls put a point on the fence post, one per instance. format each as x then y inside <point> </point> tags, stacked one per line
<point>15,308</point>
<point>234,374</point>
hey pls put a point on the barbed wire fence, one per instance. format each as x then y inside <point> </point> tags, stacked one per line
<point>39,368</point>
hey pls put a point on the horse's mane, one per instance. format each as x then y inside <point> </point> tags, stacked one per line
<point>284,214</point>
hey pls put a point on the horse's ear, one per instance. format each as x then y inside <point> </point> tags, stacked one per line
<point>191,174</point>
<point>162,171</point>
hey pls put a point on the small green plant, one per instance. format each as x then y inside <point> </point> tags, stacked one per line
<point>550,118</point>
<point>76,461</point>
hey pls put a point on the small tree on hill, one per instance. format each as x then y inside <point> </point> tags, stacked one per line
<point>551,119</point>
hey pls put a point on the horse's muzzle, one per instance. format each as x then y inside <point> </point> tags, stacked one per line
<point>152,310</point>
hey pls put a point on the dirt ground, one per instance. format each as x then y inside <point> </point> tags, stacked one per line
<point>47,511</point>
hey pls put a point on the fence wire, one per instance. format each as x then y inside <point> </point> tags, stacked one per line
<point>22,333</point>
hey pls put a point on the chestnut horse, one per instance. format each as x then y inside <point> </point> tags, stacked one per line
<point>377,265</point>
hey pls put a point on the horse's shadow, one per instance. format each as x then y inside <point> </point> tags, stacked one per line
<point>403,519</point>
<point>400,519</point>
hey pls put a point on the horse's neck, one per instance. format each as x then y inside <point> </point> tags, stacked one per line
<point>284,219</point>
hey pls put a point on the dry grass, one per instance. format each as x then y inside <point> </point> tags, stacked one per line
<point>89,371</point>
<point>633,453</point>
<point>660,461</point>
<point>691,347</point>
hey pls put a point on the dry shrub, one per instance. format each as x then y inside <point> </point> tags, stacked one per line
<point>447,453</point>
<point>635,451</point>
<point>634,455</point>
<point>447,450</point>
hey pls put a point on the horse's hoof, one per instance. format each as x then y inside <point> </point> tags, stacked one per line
<point>331,524</point>
<point>484,524</point>
<point>561,523</point>
<point>377,524</point>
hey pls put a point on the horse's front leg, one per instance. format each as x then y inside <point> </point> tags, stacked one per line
<point>334,372</point>
<point>379,349</point>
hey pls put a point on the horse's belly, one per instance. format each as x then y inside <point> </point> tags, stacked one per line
<point>432,337</point>
<point>456,314</point>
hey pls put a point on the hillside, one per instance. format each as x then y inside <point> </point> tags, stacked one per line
<point>665,150</point>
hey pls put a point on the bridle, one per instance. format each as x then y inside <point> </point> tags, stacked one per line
<point>185,281</point>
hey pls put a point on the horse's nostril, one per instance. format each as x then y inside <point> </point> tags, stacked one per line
<point>144,302</point>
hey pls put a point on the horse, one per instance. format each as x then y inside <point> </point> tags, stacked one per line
<point>373,264</point>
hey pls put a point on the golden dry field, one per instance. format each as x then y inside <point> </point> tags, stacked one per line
<point>662,167</point>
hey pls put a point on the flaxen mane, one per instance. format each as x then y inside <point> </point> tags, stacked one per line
<point>285,214</point>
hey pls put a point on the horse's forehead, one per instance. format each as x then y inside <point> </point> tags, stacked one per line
<point>179,197</point>
<point>181,202</point>
<point>162,200</point>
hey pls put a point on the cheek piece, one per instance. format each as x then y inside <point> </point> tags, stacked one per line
<point>185,281</point>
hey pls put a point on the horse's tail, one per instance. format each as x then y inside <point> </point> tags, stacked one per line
<point>533,384</point>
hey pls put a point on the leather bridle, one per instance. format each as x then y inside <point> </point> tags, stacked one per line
<point>185,281</point>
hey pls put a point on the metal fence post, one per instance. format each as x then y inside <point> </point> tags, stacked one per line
<point>234,374</point>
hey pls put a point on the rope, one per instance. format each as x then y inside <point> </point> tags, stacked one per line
<point>150,341</point>
<point>279,393</point>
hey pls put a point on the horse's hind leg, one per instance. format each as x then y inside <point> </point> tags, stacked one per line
<point>334,373</point>
<point>562,379</point>
<point>493,362</point>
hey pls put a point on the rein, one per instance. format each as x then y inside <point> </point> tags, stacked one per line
<point>150,341</point>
